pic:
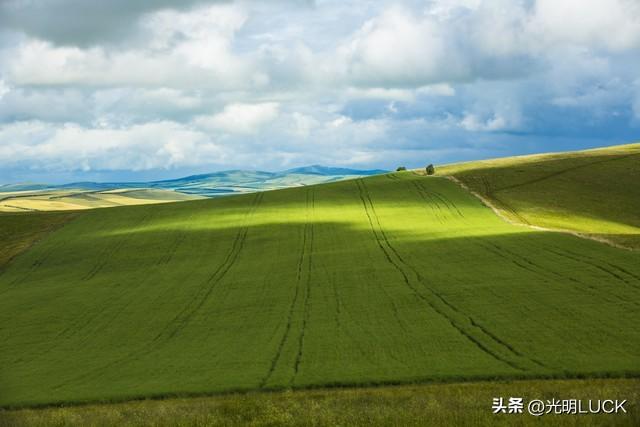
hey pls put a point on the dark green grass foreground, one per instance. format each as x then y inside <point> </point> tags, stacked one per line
<point>446,405</point>
<point>395,278</point>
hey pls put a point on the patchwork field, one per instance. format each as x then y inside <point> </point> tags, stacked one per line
<point>61,200</point>
<point>387,279</point>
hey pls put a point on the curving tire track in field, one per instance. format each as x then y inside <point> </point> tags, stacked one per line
<point>479,336</point>
<point>490,194</point>
<point>541,271</point>
<point>430,201</point>
<point>307,280</point>
<point>563,171</point>
<point>109,251</point>
<point>438,198</point>
<point>302,275</point>
<point>621,270</point>
<point>394,307</point>
<point>183,318</point>
<point>178,240</point>
<point>609,271</point>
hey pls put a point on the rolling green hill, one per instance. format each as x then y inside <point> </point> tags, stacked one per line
<point>387,279</point>
<point>593,192</point>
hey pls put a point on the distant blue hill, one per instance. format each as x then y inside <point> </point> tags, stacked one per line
<point>219,183</point>
<point>327,171</point>
<point>23,187</point>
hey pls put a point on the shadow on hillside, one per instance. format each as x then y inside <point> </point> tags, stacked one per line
<point>483,254</point>
<point>534,290</point>
<point>592,194</point>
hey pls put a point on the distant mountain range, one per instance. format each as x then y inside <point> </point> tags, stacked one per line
<point>218,183</point>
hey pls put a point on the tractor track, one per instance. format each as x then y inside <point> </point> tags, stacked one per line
<point>541,271</point>
<point>394,307</point>
<point>430,201</point>
<point>437,197</point>
<point>110,251</point>
<point>307,281</point>
<point>563,171</point>
<point>622,270</point>
<point>182,319</point>
<point>437,302</point>
<point>609,272</point>
<point>344,312</point>
<point>300,276</point>
<point>185,315</point>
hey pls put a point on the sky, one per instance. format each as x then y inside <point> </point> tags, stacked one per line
<point>123,90</point>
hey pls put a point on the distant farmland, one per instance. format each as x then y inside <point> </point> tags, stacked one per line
<point>74,199</point>
<point>386,279</point>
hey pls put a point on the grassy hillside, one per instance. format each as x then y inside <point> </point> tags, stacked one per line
<point>388,279</point>
<point>18,232</point>
<point>73,199</point>
<point>460,404</point>
<point>595,192</point>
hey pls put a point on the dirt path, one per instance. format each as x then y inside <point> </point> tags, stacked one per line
<point>488,203</point>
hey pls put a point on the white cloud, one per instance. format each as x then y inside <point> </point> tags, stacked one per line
<point>139,147</point>
<point>241,118</point>
<point>267,84</point>
<point>40,146</point>
<point>4,89</point>
<point>473,123</point>
<point>381,93</point>
<point>302,125</point>
<point>184,50</point>
<point>398,49</point>
<point>56,105</point>
<point>441,89</point>
<point>613,24</point>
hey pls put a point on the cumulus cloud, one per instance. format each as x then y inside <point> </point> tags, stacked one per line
<point>4,89</point>
<point>474,123</point>
<point>81,22</point>
<point>241,118</point>
<point>396,94</point>
<point>397,49</point>
<point>162,85</point>
<point>185,50</point>
<point>458,43</point>
<point>72,147</point>
<point>47,147</point>
<point>610,24</point>
<point>54,105</point>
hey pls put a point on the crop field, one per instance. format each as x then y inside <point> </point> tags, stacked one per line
<point>394,278</point>
<point>593,192</point>
<point>60,200</point>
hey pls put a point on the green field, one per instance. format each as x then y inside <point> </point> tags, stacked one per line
<point>395,278</point>
<point>593,192</point>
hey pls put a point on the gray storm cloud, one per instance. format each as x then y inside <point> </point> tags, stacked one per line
<point>83,22</point>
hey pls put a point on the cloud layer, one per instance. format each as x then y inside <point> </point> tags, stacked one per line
<point>166,87</point>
